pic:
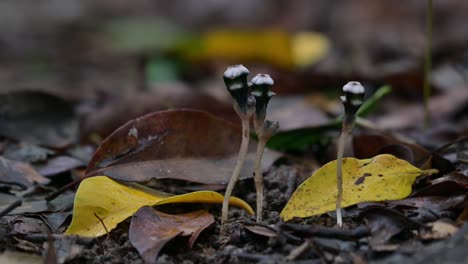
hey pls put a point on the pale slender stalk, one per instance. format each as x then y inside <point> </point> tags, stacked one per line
<point>339,177</point>
<point>235,174</point>
<point>348,124</point>
<point>259,177</point>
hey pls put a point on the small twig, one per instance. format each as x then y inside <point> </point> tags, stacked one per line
<point>17,203</point>
<point>326,232</point>
<point>279,232</point>
<point>22,186</point>
<point>299,251</point>
<point>65,188</point>
<point>51,254</point>
<point>19,200</point>
<point>102,222</point>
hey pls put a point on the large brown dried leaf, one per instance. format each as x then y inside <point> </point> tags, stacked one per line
<point>20,173</point>
<point>150,230</point>
<point>178,144</point>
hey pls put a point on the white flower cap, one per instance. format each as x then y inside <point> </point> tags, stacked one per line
<point>235,71</point>
<point>262,79</point>
<point>354,88</point>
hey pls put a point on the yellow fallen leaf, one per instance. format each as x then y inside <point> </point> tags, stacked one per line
<point>101,198</point>
<point>276,47</point>
<point>383,177</point>
<point>308,48</point>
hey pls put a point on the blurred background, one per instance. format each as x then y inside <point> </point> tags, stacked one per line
<point>116,60</point>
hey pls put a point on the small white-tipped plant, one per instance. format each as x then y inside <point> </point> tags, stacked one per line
<point>352,99</point>
<point>265,129</point>
<point>235,78</point>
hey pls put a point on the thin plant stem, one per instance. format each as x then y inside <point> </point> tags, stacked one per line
<point>258,177</point>
<point>237,169</point>
<point>428,62</point>
<point>339,177</point>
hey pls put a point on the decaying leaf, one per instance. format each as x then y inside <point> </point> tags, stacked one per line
<point>101,198</point>
<point>383,177</point>
<point>386,223</point>
<point>37,204</point>
<point>150,230</point>
<point>58,165</point>
<point>38,118</point>
<point>178,144</point>
<point>17,172</point>
<point>369,145</point>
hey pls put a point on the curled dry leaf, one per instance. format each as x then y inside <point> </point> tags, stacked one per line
<point>178,144</point>
<point>38,118</point>
<point>20,173</point>
<point>448,185</point>
<point>386,223</point>
<point>369,145</point>
<point>150,230</point>
<point>101,198</point>
<point>383,177</point>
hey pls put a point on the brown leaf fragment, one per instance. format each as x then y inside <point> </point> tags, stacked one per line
<point>58,165</point>
<point>434,203</point>
<point>386,223</point>
<point>16,172</point>
<point>261,230</point>
<point>150,230</point>
<point>370,145</point>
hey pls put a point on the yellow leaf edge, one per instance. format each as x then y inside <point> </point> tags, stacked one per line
<point>286,216</point>
<point>193,197</point>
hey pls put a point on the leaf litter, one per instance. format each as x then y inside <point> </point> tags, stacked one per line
<point>436,202</point>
